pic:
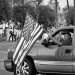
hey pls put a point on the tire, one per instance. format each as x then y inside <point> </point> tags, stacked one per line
<point>27,69</point>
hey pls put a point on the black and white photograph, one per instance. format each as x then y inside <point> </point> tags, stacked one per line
<point>37,37</point>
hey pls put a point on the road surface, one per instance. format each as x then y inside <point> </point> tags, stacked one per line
<point>4,46</point>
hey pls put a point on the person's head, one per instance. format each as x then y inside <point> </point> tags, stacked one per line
<point>67,36</point>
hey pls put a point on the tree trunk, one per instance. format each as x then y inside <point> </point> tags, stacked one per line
<point>22,2</point>
<point>74,12</point>
<point>56,4</point>
<point>68,4</point>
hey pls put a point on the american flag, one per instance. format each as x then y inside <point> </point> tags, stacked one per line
<point>25,34</point>
<point>35,34</point>
<point>29,35</point>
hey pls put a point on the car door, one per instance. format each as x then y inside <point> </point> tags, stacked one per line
<point>55,58</point>
<point>74,52</point>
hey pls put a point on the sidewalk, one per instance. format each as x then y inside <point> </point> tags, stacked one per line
<point>6,42</point>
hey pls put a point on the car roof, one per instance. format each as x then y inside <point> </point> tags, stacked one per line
<point>67,27</point>
<point>61,28</point>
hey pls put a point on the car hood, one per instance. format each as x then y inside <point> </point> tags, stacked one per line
<point>32,52</point>
<point>36,45</point>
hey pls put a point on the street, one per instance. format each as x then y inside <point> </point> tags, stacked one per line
<point>4,46</point>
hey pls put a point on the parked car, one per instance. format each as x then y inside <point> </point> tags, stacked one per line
<point>52,58</point>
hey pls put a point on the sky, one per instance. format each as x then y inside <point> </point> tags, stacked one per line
<point>62,3</point>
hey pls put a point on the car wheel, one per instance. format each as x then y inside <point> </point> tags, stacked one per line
<point>26,69</point>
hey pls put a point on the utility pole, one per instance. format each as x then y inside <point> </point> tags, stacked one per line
<point>74,12</point>
<point>68,9</point>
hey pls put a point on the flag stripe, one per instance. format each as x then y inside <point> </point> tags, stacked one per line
<point>25,46</point>
<point>35,31</point>
<point>34,28</point>
<point>19,54</point>
<point>17,48</point>
<point>18,51</point>
<point>17,58</point>
<point>29,47</point>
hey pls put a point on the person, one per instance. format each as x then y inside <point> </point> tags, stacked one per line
<point>45,37</point>
<point>11,35</point>
<point>67,39</point>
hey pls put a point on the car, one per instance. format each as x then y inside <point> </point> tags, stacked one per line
<point>45,59</point>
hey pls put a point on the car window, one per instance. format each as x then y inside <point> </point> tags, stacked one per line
<point>64,36</point>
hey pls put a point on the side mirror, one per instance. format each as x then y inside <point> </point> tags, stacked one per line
<point>59,45</point>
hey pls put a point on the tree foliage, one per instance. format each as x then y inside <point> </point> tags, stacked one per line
<point>46,16</point>
<point>19,13</point>
<point>5,10</point>
<point>17,1</point>
<point>69,15</point>
<point>39,1</point>
<point>31,10</point>
<point>43,14</point>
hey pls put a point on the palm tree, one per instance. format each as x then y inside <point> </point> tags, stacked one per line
<point>74,12</point>
<point>22,2</point>
<point>68,4</point>
<point>56,5</point>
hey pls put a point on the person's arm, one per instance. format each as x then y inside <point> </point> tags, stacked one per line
<point>55,41</point>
